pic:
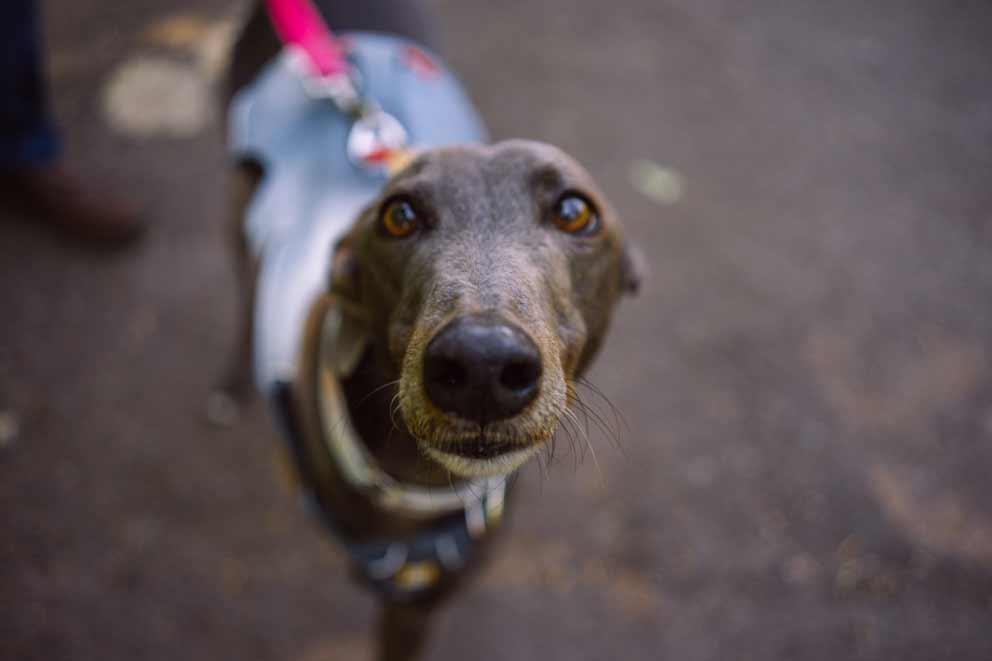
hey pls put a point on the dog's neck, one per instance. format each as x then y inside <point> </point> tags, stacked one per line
<point>381,428</point>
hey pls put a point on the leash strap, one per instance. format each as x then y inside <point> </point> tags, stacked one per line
<point>298,23</point>
<point>415,567</point>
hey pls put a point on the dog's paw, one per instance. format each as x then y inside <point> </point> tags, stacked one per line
<point>222,409</point>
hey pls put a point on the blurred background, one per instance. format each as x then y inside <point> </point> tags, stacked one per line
<point>806,376</point>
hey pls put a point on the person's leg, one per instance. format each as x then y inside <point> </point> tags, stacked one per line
<point>27,134</point>
<point>30,175</point>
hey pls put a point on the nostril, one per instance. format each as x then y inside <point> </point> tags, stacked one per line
<point>447,373</point>
<point>519,375</point>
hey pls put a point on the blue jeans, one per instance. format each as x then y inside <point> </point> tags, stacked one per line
<point>27,133</point>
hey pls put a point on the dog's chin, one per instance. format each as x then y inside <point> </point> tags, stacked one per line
<point>474,461</point>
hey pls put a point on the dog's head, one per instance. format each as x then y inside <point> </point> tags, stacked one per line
<point>483,278</point>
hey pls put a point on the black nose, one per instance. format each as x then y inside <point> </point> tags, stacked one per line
<point>481,369</point>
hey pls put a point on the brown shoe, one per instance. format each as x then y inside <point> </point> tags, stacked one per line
<point>57,198</point>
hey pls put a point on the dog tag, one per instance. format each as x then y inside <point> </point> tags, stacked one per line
<point>375,137</point>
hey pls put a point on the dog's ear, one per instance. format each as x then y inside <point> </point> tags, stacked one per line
<point>346,286</point>
<point>633,268</point>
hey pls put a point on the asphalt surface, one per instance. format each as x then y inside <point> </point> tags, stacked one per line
<point>806,377</point>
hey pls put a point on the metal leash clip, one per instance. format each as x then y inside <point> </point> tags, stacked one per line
<point>376,141</point>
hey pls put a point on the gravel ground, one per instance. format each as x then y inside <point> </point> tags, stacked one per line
<point>806,378</point>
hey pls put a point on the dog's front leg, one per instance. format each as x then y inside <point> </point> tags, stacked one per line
<point>403,631</point>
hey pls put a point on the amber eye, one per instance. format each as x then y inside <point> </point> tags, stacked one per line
<point>399,219</point>
<point>573,214</point>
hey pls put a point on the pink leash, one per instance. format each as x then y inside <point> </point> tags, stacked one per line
<point>298,23</point>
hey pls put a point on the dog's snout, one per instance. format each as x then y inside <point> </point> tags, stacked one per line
<point>481,369</point>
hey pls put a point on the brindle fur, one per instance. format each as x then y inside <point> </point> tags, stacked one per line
<point>488,247</point>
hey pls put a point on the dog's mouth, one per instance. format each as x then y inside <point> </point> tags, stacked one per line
<point>481,457</point>
<point>481,449</point>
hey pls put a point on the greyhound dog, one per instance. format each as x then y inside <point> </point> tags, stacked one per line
<point>418,335</point>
